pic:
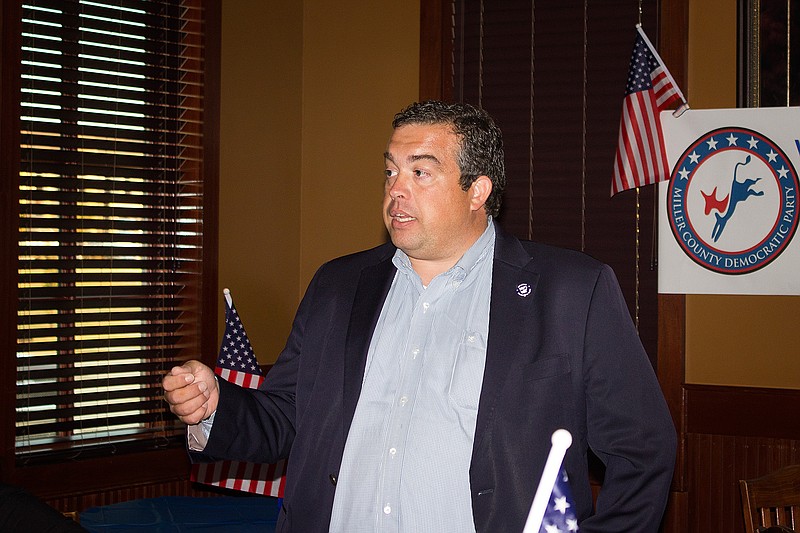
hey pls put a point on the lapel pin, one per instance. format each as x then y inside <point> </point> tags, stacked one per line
<point>523,290</point>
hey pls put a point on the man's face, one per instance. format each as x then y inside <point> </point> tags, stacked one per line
<point>427,213</point>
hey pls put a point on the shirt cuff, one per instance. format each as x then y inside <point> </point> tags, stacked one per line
<point>197,434</point>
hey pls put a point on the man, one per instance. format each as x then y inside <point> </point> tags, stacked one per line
<point>422,379</point>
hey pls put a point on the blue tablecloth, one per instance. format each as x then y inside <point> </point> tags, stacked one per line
<point>175,514</point>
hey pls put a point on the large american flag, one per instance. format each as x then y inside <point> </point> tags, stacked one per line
<point>641,157</point>
<point>237,364</point>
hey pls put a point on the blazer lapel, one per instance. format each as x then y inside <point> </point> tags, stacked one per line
<point>510,323</point>
<point>373,286</point>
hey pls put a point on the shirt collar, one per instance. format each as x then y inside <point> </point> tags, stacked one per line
<point>471,258</point>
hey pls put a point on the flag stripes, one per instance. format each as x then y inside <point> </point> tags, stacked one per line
<point>248,477</point>
<point>641,157</point>
<point>237,364</point>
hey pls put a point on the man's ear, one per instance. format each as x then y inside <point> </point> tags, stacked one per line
<point>479,191</point>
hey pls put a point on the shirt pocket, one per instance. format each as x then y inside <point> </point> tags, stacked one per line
<point>467,376</point>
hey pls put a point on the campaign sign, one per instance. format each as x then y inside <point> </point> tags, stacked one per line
<point>728,214</point>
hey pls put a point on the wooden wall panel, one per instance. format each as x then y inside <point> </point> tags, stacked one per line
<point>734,433</point>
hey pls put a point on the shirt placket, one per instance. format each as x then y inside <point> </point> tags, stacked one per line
<point>403,406</point>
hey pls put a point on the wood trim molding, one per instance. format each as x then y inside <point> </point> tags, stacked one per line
<point>673,39</point>
<point>10,41</point>
<point>103,474</point>
<point>743,411</point>
<point>434,50</point>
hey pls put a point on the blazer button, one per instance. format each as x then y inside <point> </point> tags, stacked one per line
<point>333,479</point>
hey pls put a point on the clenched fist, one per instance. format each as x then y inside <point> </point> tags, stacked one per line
<point>191,391</point>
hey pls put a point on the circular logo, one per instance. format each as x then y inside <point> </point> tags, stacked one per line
<point>732,201</point>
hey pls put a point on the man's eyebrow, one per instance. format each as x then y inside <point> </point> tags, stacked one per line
<point>411,159</point>
<point>425,157</point>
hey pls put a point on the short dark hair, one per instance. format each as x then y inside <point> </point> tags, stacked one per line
<point>480,138</point>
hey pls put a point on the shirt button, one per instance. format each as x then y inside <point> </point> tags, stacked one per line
<point>414,353</point>
<point>332,478</point>
<point>425,306</point>
<point>387,509</point>
<point>392,451</point>
<point>403,401</point>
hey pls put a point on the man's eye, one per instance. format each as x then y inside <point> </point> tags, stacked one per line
<point>420,173</point>
<point>390,173</point>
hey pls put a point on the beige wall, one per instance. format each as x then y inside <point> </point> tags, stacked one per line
<point>733,340</point>
<point>308,92</point>
<point>360,66</point>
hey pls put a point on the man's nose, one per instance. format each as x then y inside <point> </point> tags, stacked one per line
<point>399,188</point>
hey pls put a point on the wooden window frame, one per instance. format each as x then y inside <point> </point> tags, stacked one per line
<point>115,470</point>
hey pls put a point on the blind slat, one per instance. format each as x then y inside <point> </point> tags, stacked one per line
<point>111,217</point>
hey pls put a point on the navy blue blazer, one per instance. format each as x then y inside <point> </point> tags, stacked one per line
<point>562,353</point>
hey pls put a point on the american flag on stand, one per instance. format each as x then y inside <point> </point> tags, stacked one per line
<point>641,156</point>
<point>560,517</point>
<point>553,509</point>
<point>237,364</point>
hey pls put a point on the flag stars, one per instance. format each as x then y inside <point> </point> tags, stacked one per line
<point>572,524</point>
<point>561,505</point>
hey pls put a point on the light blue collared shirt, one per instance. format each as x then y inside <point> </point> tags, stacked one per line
<point>406,460</point>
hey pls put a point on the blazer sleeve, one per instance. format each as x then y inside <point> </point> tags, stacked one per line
<point>628,423</point>
<point>259,425</point>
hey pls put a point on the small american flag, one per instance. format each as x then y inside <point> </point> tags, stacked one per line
<point>237,364</point>
<point>560,517</point>
<point>641,156</point>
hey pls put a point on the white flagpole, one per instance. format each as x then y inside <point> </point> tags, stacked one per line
<point>560,441</point>
<point>228,298</point>
<point>684,104</point>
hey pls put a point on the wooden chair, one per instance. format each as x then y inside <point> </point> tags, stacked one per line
<point>772,500</point>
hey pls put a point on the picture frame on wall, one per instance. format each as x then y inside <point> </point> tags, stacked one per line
<point>769,53</point>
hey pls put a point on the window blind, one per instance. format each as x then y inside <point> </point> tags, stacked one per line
<point>553,76</point>
<point>111,218</point>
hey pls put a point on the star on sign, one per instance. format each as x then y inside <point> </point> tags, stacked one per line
<point>783,171</point>
<point>712,143</point>
<point>694,157</point>
<point>684,174</point>
<point>753,143</point>
<point>772,156</point>
<point>732,140</point>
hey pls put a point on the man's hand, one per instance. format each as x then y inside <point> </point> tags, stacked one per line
<point>191,391</point>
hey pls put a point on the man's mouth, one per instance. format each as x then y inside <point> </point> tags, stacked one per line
<point>402,217</point>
